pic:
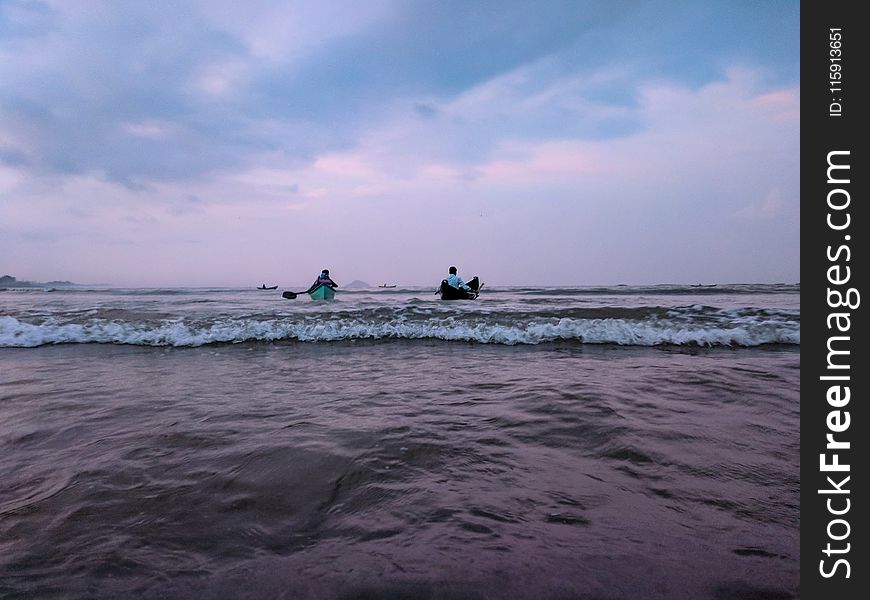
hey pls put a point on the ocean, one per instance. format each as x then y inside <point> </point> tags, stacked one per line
<point>593,443</point>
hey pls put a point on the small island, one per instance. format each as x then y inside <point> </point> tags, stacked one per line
<point>357,284</point>
<point>8,281</point>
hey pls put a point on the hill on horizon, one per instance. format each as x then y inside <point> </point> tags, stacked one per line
<point>9,280</point>
<point>357,284</point>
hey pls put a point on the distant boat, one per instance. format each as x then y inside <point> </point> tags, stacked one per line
<point>386,286</point>
<point>265,287</point>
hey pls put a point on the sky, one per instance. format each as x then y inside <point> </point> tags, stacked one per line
<point>211,142</point>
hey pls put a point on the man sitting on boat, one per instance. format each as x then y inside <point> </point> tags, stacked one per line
<point>323,279</point>
<point>454,288</point>
<point>454,280</point>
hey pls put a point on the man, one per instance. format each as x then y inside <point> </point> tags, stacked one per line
<point>455,280</point>
<point>323,279</point>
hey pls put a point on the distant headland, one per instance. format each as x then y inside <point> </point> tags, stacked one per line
<point>357,284</point>
<point>7,281</point>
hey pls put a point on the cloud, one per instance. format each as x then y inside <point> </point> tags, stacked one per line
<point>678,134</point>
<point>25,19</point>
<point>305,77</point>
<point>164,126</point>
<point>769,208</point>
<point>154,130</point>
<point>427,111</point>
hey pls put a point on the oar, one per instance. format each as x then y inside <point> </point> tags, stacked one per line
<point>292,295</point>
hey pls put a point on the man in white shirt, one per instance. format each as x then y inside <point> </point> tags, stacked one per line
<point>456,281</point>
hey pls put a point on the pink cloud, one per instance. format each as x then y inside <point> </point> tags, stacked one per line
<point>769,208</point>
<point>549,160</point>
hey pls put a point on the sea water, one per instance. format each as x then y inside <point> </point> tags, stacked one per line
<point>619,442</point>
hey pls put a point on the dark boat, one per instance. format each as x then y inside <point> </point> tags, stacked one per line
<point>386,286</point>
<point>265,287</point>
<point>448,292</point>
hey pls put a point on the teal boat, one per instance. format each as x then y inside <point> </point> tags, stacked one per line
<point>322,292</point>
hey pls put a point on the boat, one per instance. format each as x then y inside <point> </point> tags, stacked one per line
<point>322,292</point>
<point>267,287</point>
<point>386,286</point>
<point>448,292</point>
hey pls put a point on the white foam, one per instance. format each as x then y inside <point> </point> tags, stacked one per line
<point>746,331</point>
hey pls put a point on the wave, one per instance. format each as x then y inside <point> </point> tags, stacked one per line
<point>688,326</point>
<point>664,290</point>
<point>614,290</point>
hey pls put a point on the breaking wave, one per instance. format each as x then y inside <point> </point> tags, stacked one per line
<point>686,326</point>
